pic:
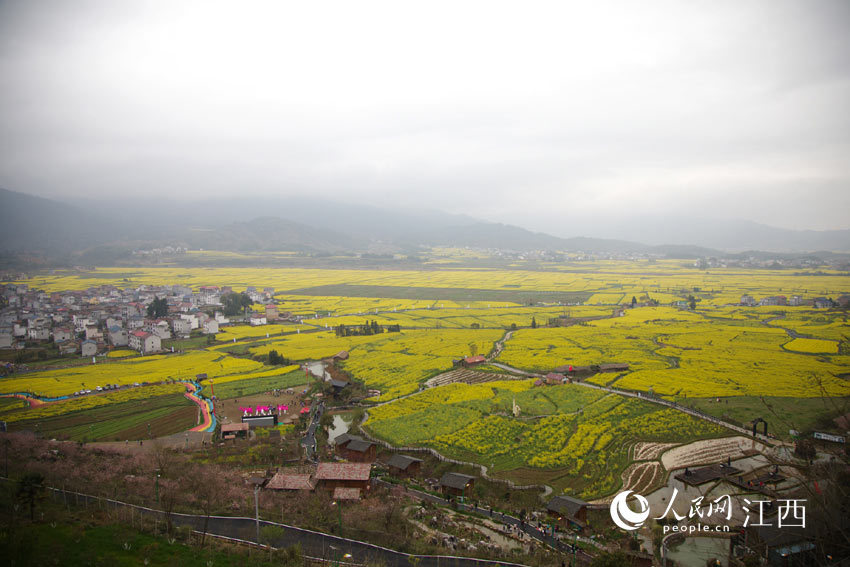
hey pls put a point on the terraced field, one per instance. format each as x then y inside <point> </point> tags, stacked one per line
<point>710,451</point>
<point>464,375</point>
<point>118,422</point>
<point>572,438</point>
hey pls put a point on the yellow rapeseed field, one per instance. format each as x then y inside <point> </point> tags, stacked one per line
<point>394,363</point>
<point>54,383</point>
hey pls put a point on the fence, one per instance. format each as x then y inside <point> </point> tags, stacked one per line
<point>316,545</point>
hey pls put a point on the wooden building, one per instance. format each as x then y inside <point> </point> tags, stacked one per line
<point>456,484</point>
<point>234,430</point>
<point>570,512</point>
<point>356,449</point>
<point>404,466</point>
<point>343,475</point>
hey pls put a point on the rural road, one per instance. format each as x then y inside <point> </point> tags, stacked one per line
<point>313,544</point>
<point>309,440</point>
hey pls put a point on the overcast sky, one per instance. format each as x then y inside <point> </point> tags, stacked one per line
<point>514,112</point>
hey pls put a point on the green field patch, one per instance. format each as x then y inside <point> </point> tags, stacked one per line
<point>441,293</point>
<point>782,414</point>
<point>82,543</point>
<point>12,404</point>
<point>238,388</point>
<point>584,450</point>
<point>118,422</point>
<point>419,427</point>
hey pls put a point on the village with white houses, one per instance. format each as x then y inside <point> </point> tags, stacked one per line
<point>92,321</point>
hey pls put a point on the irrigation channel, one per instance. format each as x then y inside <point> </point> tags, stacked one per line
<point>315,545</point>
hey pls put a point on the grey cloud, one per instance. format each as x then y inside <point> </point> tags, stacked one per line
<point>540,113</point>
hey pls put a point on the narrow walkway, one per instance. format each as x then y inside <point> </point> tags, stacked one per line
<point>646,398</point>
<point>534,530</point>
<point>313,544</point>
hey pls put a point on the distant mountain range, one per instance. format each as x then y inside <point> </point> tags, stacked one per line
<point>57,229</point>
<point>723,234</point>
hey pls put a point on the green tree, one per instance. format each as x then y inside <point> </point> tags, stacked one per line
<point>692,302</point>
<point>533,323</point>
<point>30,491</point>
<point>608,559</point>
<point>158,308</point>
<point>275,358</point>
<point>326,420</point>
<point>269,535</point>
<point>236,303</point>
<point>473,349</point>
<point>634,301</point>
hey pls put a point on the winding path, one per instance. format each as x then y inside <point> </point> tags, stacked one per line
<point>204,404</point>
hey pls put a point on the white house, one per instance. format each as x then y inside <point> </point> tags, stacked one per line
<point>81,322</point>
<point>144,342</point>
<point>93,333</point>
<point>88,348</point>
<point>181,327</point>
<point>193,320</point>
<point>211,327</point>
<point>258,319</point>
<point>161,329</point>
<point>61,334</point>
<point>38,333</point>
<point>209,295</point>
<point>118,336</point>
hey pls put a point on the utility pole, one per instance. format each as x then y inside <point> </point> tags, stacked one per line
<point>575,548</point>
<point>257,510</point>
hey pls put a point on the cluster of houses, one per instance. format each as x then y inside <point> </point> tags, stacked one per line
<point>88,322</point>
<point>352,480</point>
<point>796,301</point>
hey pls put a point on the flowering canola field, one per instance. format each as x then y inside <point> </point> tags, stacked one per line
<point>719,349</point>
<point>394,363</point>
<point>157,368</point>
<point>580,443</point>
<point>676,352</point>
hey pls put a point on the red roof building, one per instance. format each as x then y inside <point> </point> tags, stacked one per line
<point>473,360</point>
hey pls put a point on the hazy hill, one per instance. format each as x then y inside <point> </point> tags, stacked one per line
<point>270,233</point>
<point>35,224</point>
<point>106,230</point>
<point>723,234</point>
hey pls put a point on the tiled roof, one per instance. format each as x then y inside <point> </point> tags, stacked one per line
<point>282,481</point>
<point>341,493</point>
<point>359,445</point>
<point>566,505</point>
<point>401,462</point>
<point>456,480</point>
<point>343,471</point>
